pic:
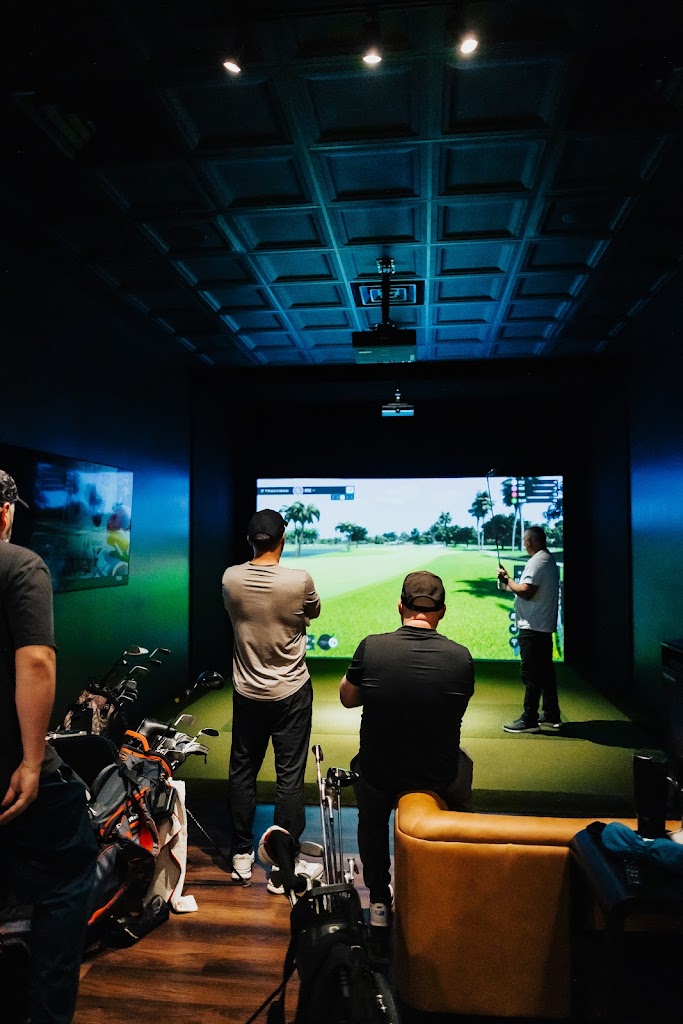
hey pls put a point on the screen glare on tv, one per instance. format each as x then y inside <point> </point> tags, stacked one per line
<point>359,537</point>
<point>78,520</point>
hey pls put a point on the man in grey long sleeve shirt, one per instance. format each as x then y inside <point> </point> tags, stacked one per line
<point>269,606</point>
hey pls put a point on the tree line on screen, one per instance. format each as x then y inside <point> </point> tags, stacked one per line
<point>503,530</point>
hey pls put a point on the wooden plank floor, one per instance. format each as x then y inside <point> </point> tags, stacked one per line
<point>215,966</point>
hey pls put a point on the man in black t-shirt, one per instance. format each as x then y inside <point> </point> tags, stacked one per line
<point>414,686</point>
<point>47,847</point>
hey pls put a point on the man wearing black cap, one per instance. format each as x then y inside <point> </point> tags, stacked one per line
<point>270,607</point>
<point>414,685</point>
<point>47,847</point>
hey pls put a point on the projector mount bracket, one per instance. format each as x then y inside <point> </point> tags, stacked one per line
<point>386,267</point>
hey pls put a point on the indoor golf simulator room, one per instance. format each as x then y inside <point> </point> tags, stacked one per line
<point>340,517</point>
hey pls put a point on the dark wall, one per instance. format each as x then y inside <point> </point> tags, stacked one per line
<point>519,417</point>
<point>213,526</point>
<point>657,499</point>
<point>81,379</point>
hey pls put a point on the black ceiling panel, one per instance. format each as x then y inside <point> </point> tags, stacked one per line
<point>527,194</point>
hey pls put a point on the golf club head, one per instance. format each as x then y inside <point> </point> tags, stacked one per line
<point>138,670</point>
<point>352,869</point>
<point>174,756</point>
<point>134,651</point>
<point>158,650</point>
<point>154,661</point>
<point>308,849</point>
<point>210,680</point>
<point>194,748</point>
<point>317,752</point>
<point>339,778</point>
<point>183,722</point>
<point>208,732</point>
<point>129,691</point>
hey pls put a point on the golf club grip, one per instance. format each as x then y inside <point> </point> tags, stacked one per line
<point>317,752</point>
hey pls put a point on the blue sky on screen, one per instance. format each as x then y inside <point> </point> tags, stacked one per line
<point>389,505</point>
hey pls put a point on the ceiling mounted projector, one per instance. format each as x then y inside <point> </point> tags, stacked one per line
<point>385,342</point>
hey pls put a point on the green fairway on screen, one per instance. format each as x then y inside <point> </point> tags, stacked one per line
<point>359,537</point>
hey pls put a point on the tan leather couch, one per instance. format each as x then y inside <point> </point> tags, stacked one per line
<point>482,910</point>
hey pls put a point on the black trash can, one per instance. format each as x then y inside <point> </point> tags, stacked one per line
<point>650,793</point>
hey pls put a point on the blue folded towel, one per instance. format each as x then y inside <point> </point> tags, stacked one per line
<point>621,839</point>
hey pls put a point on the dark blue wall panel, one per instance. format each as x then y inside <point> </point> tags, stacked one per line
<point>657,495</point>
<point>81,378</point>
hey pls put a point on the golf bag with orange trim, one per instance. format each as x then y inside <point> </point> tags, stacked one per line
<point>130,798</point>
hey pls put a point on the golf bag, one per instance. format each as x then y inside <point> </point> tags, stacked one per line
<point>136,807</point>
<point>100,708</point>
<point>96,712</point>
<point>337,980</point>
<point>129,800</point>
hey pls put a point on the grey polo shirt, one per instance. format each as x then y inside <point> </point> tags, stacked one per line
<point>270,607</point>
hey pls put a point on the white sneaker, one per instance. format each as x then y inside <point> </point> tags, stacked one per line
<point>302,867</point>
<point>241,866</point>
<point>380,915</point>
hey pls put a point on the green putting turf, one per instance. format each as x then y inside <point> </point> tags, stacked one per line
<point>586,769</point>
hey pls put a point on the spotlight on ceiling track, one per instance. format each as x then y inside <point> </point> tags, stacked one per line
<point>467,43</point>
<point>463,37</point>
<point>236,46</point>
<point>372,42</point>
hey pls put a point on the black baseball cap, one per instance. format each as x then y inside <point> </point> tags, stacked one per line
<point>8,489</point>
<point>423,592</point>
<point>266,525</point>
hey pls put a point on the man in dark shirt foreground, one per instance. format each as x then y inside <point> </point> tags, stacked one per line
<point>414,686</point>
<point>47,847</point>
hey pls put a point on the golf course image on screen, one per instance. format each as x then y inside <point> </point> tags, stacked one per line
<point>359,537</point>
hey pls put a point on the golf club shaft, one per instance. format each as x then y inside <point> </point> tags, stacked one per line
<point>213,843</point>
<point>495,528</point>
<point>318,754</point>
<point>340,847</point>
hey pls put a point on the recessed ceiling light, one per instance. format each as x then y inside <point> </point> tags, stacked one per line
<point>468,44</point>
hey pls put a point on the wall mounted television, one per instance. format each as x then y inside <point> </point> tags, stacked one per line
<point>79,516</point>
<point>359,538</point>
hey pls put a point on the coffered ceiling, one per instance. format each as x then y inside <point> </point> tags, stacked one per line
<point>529,194</point>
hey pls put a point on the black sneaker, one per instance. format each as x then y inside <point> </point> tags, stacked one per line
<point>550,723</point>
<point>521,725</point>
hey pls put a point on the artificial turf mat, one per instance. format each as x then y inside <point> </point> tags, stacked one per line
<point>585,769</point>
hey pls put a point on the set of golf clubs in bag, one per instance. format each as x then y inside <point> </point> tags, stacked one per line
<point>136,807</point>
<point>338,979</point>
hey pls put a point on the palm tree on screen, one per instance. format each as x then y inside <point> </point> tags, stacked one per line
<point>480,508</point>
<point>301,515</point>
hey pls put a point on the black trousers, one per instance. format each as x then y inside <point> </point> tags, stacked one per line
<point>374,811</point>
<point>47,857</point>
<point>538,674</point>
<point>254,722</point>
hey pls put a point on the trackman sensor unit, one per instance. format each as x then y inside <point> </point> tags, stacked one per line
<point>398,408</point>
